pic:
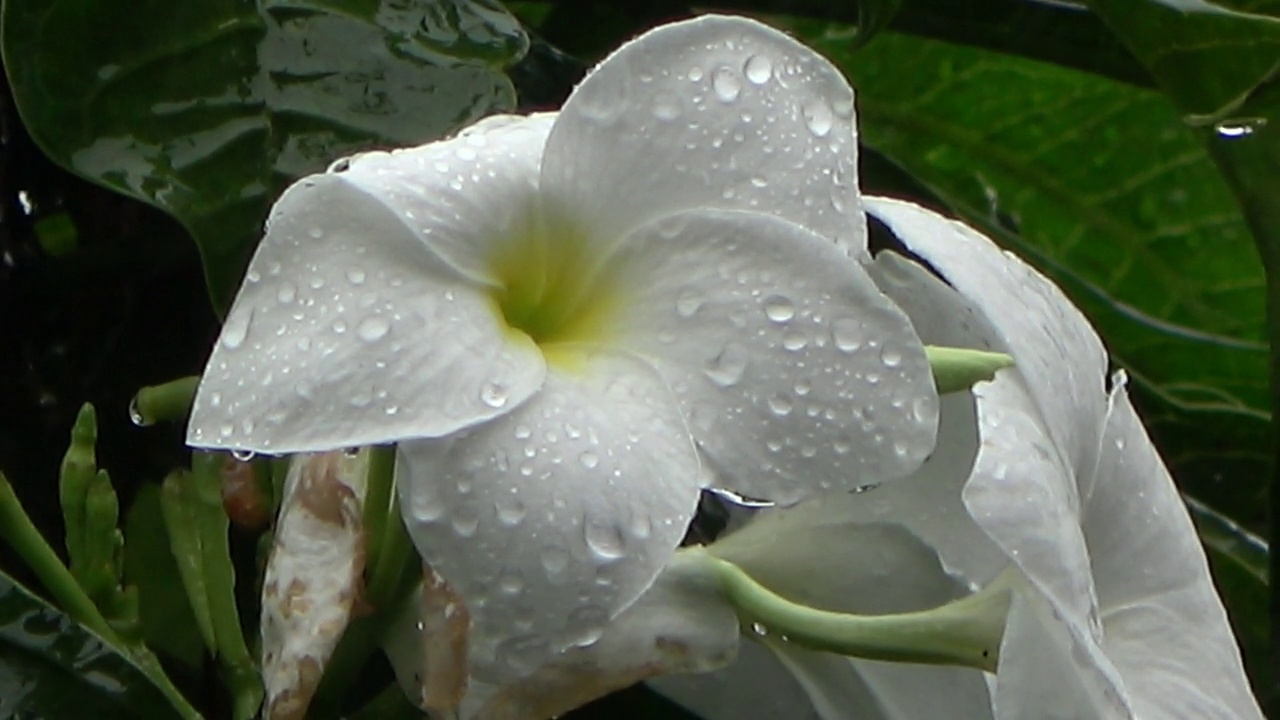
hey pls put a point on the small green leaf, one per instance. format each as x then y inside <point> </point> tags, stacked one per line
<point>206,108</point>
<point>52,667</point>
<point>166,615</point>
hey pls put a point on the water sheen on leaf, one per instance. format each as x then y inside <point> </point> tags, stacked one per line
<point>206,108</point>
<point>1100,186</point>
<point>52,667</point>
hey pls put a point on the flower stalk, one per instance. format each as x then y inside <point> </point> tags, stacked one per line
<point>965,632</point>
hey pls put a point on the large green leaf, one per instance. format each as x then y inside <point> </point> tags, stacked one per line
<point>52,667</point>
<point>207,107</point>
<point>1099,184</point>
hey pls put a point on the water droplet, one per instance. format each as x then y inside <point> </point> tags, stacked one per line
<point>243,455</point>
<point>795,340</point>
<point>779,308</point>
<point>554,560</point>
<point>817,116</point>
<point>236,329</point>
<point>316,233</point>
<point>373,328</point>
<point>425,505</point>
<point>780,404</point>
<point>589,623</point>
<point>339,326</point>
<point>728,367</point>
<point>604,540</point>
<point>725,84</point>
<point>589,460</point>
<point>511,582</point>
<point>695,74</point>
<point>511,511</point>
<point>495,394</point>
<point>688,300</point>
<point>465,520</point>
<point>286,293</point>
<point>355,276</point>
<point>758,69</point>
<point>523,654</point>
<point>135,415</point>
<point>666,106</point>
<point>523,432</point>
<point>890,358</point>
<point>1239,127</point>
<point>847,334</point>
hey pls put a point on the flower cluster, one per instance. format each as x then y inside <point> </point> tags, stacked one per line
<point>571,323</point>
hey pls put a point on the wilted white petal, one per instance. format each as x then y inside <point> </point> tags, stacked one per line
<point>718,112</point>
<point>350,330</point>
<point>313,577</point>
<point>796,373</point>
<point>553,518</point>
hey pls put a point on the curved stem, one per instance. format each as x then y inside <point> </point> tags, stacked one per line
<point>964,632</point>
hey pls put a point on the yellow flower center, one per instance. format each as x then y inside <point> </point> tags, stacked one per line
<point>550,288</point>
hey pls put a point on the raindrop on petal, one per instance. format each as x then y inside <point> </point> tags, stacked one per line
<point>688,300</point>
<point>373,328</point>
<point>817,116</point>
<point>725,84</point>
<point>847,334</point>
<point>758,69</point>
<point>779,308</point>
<point>554,560</point>
<point>236,329</point>
<point>728,366</point>
<point>495,394</point>
<point>604,540</point>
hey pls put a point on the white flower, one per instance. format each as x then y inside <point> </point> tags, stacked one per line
<point>1115,614</point>
<point>570,323</point>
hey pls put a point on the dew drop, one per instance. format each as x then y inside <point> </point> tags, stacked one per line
<point>465,520</point>
<point>818,116</point>
<point>511,511</point>
<point>688,301</point>
<point>604,540</point>
<point>666,107</point>
<point>523,432</point>
<point>847,334</point>
<point>795,341</point>
<point>589,460</point>
<point>779,308</point>
<point>780,404</point>
<point>758,69</point>
<point>135,415</point>
<point>554,559</point>
<point>728,366</point>
<point>373,328</point>
<point>236,329</point>
<point>286,293</point>
<point>510,582</point>
<point>315,233</point>
<point>495,394</point>
<point>243,455</point>
<point>589,623</point>
<point>725,84</point>
<point>355,276</point>
<point>890,358</point>
<point>339,326</point>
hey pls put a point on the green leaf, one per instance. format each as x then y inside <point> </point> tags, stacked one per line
<point>207,108</point>
<point>52,667</point>
<point>1100,186</point>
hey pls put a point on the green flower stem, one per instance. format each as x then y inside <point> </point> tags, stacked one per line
<point>389,579</point>
<point>219,581</point>
<point>22,535</point>
<point>965,632</point>
<point>167,402</point>
<point>377,500</point>
<point>956,369</point>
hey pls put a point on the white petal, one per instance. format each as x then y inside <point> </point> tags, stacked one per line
<point>680,624</point>
<point>1045,673</point>
<point>1056,350</point>
<point>716,112</point>
<point>349,330</point>
<point>467,195</point>
<point>1163,624</point>
<point>757,686</point>
<point>795,372</point>
<point>552,519</point>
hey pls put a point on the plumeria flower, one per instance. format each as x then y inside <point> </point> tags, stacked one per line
<point>1050,473</point>
<point>572,323</point>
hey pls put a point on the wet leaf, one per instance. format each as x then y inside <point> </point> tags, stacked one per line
<point>52,667</point>
<point>1102,187</point>
<point>206,108</point>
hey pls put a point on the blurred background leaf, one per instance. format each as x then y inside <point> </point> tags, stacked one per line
<point>207,108</point>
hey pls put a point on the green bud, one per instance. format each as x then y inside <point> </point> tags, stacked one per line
<point>956,369</point>
<point>79,468</point>
<point>103,542</point>
<point>168,402</point>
